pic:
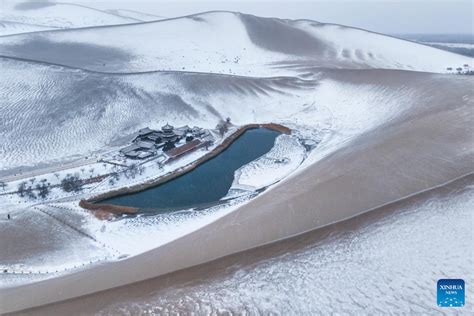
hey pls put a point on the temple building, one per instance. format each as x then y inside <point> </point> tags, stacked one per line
<point>167,134</point>
<point>169,141</point>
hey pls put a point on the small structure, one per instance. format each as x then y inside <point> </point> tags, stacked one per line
<point>161,158</point>
<point>182,131</point>
<point>130,151</point>
<point>144,145</point>
<point>145,131</point>
<point>189,137</point>
<point>147,134</point>
<point>145,154</point>
<point>138,150</point>
<point>167,143</point>
<point>197,131</point>
<point>168,134</point>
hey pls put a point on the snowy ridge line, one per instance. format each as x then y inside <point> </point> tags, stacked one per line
<point>45,63</point>
<point>216,11</point>
<point>124,24</point>
<point>62,22</point>
<point>97,10</point>
<point>139,23</point>
<point>117,12</point>
<point>29,24</point>
<point>137,73</point>
<point>32,32</point>
<point>329,69</point>
<point>83,233</point>
<point>373,32</point>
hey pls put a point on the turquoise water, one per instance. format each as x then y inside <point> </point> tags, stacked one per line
<point>206,184</point>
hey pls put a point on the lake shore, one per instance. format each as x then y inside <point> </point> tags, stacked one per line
<point>93,203</point>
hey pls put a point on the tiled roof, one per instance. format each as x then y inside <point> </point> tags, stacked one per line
<point>178,151</point>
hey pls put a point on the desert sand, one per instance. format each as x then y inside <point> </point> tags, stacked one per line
<point>418,149</point>
<point>210,287</point>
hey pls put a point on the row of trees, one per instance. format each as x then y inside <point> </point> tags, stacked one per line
<point>32,191</point>
<point>130,172</point>
<point>70,183</point>
<point>465,70</point>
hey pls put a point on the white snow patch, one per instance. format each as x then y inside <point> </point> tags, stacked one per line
<point>280,161</point>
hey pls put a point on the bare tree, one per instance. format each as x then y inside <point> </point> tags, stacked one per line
<point>222,128</point>
<point>21,189</point>
<point>3,185</point>
<point>131,171</point>
<point>71,183</point>
<point>43,189</point>
<point>29,192</point>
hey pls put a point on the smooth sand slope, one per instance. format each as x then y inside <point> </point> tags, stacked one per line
<point>424,145</point>
<point>321,271</point>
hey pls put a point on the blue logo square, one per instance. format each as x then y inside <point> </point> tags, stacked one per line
<point>450,292</point>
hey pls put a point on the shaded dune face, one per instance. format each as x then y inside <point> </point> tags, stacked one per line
<point>281,36</point>
<point>81,55</point>
<point>204,84</point>
<point>8,27</point>
<point>256,47</point>
<point>33,5</point>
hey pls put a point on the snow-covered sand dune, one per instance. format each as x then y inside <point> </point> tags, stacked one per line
<point>70,93</point>
<point>140,16</point>
<point>227,42</point>
<point>8,28</point>
<point>320,272</point>
<point>425,144</point>
<point>60,15</point>
<point>48,113</point>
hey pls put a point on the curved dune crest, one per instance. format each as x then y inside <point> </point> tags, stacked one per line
<point>202,43</point>
<point>391,126</point>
